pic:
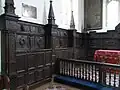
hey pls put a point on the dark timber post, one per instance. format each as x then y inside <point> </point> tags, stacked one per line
<point>8,24</point>
<point>72,35</point>
<point>49,29</point>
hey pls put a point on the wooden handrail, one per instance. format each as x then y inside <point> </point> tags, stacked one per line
<point>91,62</point>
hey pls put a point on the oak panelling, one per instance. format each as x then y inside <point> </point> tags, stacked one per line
<point>39,74</point>
<point>12,69</point>
<point>22,44</point>
<point>26,43</point>
<point>31,27</point>
<point>8,51</point>
<point>58,54</point>
<point>80,53</point>
<point>79,40</point>
<point>21,62</point>
<point>47,72</point>
<point>13,82</point>
<point>48,58</point>
<point>20,80</point>
<point>39,59</point>
<point>33,66</point>
<point>62,53</point>
<point>60,38</point>
<point>56,42</point>
<point>104,40</point>
<point>11,25</point>
<point>31,61</point>
<point>30,77</point>
<point>39,42</point>
<point>31,42</point>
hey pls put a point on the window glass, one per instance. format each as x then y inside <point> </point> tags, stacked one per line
<point>112,14</point>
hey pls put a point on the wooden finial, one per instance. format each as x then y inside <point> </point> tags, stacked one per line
<point>9,7</point>
<point>51,17</point>
<point>72,23</point>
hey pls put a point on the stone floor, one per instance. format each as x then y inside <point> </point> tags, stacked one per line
<point>56,86</point>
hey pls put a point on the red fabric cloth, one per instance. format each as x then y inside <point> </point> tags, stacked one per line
<point>108,56</point>
<point>4,82</point>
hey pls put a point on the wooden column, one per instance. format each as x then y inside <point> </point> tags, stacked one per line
<point>8,24</point>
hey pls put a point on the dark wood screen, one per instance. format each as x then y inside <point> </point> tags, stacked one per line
<point>29,50</point>
<point>33,61</point>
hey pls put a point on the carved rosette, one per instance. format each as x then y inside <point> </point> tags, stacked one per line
<point>40,42</point>
<point>22,41</point>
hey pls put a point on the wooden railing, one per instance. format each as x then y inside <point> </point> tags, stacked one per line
<point>101,73</point>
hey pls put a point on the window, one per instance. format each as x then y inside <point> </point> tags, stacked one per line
<point>112,14</point>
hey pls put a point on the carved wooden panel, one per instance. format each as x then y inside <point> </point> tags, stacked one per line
<point>11,44</point>
<point>25,28</point>
<point>13,82</point>
<point>41,30</point>
<point>21,63</point>
<point>22,43</point>
<point>31,61</point>
<point>39,42</point>
<point>58,54</point>
<point>10,55</point>
<point>31,43</point>
<point>30,77</point>
<point>60,38</point>
<point>110,44</point>
<point>31,57</point>
<point>62,53</point>
<point>95,43</point>
<point>32,28</point>
<point>12,68</point>
<point>39,59</point>
<point>79,40</point>
<point>56,43</point>
<point>70,52</point>
<point>39,74</point>
<point>47,72</point>
<point>48,57</point>
<point>12,25</point>
<point>20,80</point>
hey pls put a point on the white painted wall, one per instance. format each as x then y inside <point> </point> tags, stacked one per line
<point>62,11</point>
<point>1,6</point>
<point>76,13</point>
<point>80,15</point>
<point>39,4</point>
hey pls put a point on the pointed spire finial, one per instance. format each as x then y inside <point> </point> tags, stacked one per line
<point>72,23</point>
<point>9,7</point>
<point>51,17</point>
